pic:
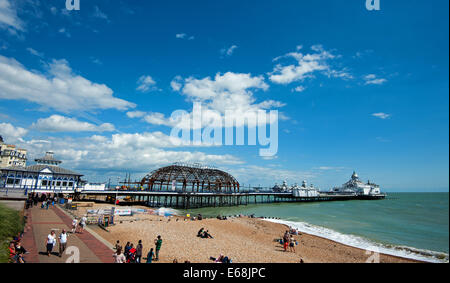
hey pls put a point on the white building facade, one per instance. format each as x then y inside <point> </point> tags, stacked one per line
<point>44,176</point>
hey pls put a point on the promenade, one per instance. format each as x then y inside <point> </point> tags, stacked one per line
<point>41,222</point>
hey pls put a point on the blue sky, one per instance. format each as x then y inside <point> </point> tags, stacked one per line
<point>357,89</point>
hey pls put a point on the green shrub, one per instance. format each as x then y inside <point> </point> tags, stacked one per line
<point>11,223</point>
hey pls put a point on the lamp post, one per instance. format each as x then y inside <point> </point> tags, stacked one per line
<point>117,191</point>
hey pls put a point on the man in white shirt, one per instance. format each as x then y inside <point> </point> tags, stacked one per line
<point>74,225</point>
<point>83,223</point>
<point>62,242</point>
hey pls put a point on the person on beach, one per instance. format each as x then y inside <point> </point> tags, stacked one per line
<point>131,254</point>
<point>117,245</point>
<point>74,225</point>
<point>286,241</point>
<point>158,243</point>
<point>150,256</point>
<point>62,242</point>
<point>50,242</point>
<point>139,248</point>
<point>118,256</point>
<point>127,249</point>
<point>292,244</point>
<point>200,232</point>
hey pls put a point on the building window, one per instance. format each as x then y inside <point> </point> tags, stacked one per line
<point>17,181</point>
<point>64,184</point>
<point>58,184</point>
<point>44,183</point>
<point>70,184</point>
<point>10,181</point>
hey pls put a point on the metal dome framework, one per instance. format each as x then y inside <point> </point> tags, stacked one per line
<point>193,178</point>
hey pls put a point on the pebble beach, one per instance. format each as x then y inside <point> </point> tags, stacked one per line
<point>243,239</point>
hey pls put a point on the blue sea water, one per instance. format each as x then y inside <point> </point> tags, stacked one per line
<point>413,225</point>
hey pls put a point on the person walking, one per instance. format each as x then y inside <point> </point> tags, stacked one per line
<point>50,242</point>
<point>83,223</point>
<point>292,244</point>
<point>139,248</point>
<point>150,256</point>
<point>62,242</point>
<point>119,257</point>
<point>74,225</point>
<point>286,241</point>
<point>158,243</point>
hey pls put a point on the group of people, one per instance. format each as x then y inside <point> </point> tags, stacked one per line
<point>131,254</point>
<point>16,250</point>
<point>52,240</point>
<point>78,224</point>
<point>289,241</point>
<point>221,259</point>
<point>46,200</point>
<point>202,233</point>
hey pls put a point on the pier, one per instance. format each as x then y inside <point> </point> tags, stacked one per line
<point>191,200</point>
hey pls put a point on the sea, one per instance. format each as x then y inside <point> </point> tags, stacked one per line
<point>409,225</point>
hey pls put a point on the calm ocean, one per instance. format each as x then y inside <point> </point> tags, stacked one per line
<point>413,225</point>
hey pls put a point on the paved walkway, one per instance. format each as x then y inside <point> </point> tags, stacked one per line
<point>41,222</point>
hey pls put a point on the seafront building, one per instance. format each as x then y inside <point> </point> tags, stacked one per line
<point>12,156</point>
<point>44,176</point>
<point>357,187</point>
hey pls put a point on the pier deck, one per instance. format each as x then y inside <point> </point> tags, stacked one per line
<point>186,200</point>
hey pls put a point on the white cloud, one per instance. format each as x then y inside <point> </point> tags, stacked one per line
<point>176,83</point>
<point>57,123</point>
<point>184,36</point>
<point>255,175</point>
<point>99,14</point>
<point>381,115</point>
<point>307,65</point>
<point>65,32</point>
<point>59,89</point>
<point>229,92</point>
<point>12,134</point>
<point>130,152</point>
<point>35,52</point>
<point>8,17</point>
<point>146,83</point>
<point>136,114</point>
<point>329,168</point>
<point>372,79</point>
<point>228,51</point>
<point>299,89</point>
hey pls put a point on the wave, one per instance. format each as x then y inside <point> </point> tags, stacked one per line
<point>366,244</point>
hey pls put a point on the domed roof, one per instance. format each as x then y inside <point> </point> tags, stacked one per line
<point>354,175</point>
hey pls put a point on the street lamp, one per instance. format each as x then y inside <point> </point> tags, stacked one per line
<point>117,190</point>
